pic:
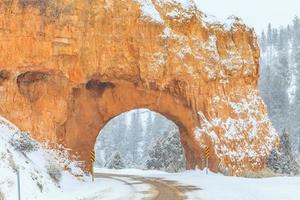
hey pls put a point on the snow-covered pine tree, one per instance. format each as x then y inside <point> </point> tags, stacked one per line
<point>104,145</point>
<point>167,154</point>
<point>283,160</point>
<point>135,136</point>
<point>279,106</point>
<point>120,134</point>
<point>280,77</point>
<point>148,137</point>
<point>159,125</point>
<point>110,139</point>
<point>263,41</point>
<point>270,35</point>
<point>298,143</point>
<point>155,160</point>
<point>295,105</point>
<point>116,162</point>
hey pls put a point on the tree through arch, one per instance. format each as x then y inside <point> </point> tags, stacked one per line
<point>140,139</point>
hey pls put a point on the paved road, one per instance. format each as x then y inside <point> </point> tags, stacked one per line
<point>159,189</point>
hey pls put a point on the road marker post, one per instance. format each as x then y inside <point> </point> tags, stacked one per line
<point>92,164</point>
<point>207,154</point>
<point>19,185</point>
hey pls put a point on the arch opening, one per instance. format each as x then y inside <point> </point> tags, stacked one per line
<point>140,139</point>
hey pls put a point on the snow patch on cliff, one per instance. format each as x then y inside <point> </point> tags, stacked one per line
<point>149,11</point>
<point>185,4</point>
<point>239,131</point>
<point>199,50</point>
<point>228,23</point>
<point>159,60</point>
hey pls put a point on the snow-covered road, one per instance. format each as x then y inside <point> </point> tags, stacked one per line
<point>159,189</point>
<point>196,185</point>
<point>136,188</point>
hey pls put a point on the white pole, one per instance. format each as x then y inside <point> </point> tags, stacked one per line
<point>93,175</point>
<point>206,166</point>
<point>19,187</point>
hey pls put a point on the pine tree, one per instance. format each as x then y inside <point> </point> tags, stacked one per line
<point>289,32</point>
<point>135,132</point>
<point>263,41</point>
<point>279,83</point>
<point>283,160</point>
<point>295,107</point>
<point>167,154</point>
<point>116,162</point>
<point>119,134</point>
<point>104,145</point>
<point>274,37</point>
<point>148,137</point>
<point>299,143</point>
<point>159,125</point>
<point>270,35</point>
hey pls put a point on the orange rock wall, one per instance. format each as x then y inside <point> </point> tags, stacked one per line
<point>68,67</point>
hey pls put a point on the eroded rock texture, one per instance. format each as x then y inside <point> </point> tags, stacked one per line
<point>68,67</point>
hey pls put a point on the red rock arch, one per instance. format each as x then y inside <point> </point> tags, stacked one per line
<point>94,109</point>
<point>63,78</point>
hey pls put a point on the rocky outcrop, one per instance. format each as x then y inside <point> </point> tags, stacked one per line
<point>68,67</point>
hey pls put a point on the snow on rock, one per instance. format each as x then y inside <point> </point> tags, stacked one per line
<point>182,10</point>
<point>240,131</point>
<point>203,51</point>
<point>149,11</point>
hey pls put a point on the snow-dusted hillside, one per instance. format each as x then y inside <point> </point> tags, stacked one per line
<point>35,168</point>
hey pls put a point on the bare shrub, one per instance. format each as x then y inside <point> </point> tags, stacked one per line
<point>40,186</point>
<point>12,163</point>
<point>22,142</point>
<point>264,173</point>
<point>225,171</point>
<point>54,171</point>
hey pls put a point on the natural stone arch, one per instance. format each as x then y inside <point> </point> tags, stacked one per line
<point>57,76</point>
<point>120,97</point>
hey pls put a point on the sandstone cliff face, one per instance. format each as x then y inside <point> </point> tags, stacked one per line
<point>68,67</point>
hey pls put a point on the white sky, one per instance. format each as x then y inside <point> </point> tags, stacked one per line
<point>255,13</point>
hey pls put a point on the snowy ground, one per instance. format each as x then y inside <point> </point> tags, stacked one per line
<point>219,187</point>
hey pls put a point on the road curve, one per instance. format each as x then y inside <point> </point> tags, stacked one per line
<point>161,189</point>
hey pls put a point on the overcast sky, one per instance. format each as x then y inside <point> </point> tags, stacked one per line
<point>255,13</point>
